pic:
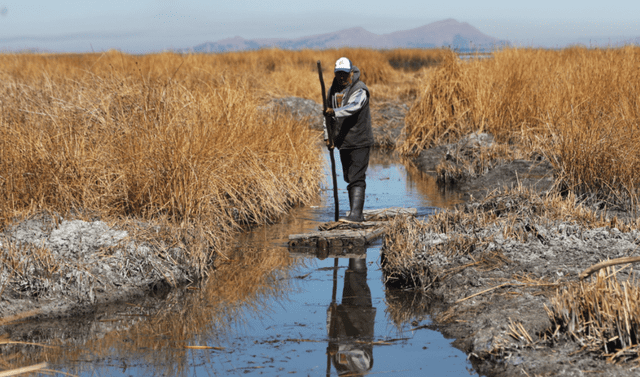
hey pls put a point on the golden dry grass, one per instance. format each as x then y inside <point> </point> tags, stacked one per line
<point>179,140</point>
<point>578,106</point>
<point>603,314</point>
<point>294,73</point>
<point>162,137</point>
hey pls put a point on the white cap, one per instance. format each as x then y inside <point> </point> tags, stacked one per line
<point>343,65</point>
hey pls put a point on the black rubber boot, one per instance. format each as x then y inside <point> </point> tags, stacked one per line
<point>356,201</point>
<point>343,218</point>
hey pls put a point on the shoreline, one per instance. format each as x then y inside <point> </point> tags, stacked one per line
<point>89,264</point>
<point>492,280</point>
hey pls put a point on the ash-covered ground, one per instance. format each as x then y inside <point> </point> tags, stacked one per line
<point>63,268</point>
<point>485,296</point>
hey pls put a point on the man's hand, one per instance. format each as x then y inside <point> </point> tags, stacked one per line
<point>329,112</point>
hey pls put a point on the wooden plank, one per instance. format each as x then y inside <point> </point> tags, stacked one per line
<point>338,225</point>
<point>337,233</point>
<point>340,252</point>
<point>346,235</point>
<point>331,238</point>
<point>375,234</point>
<point>336,238</point>
<point>388,213</point>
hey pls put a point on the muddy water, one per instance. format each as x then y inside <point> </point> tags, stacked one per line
<point>269,311</point>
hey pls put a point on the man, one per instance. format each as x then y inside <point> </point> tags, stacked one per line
<point>348,109</point>
<point>350,325</point>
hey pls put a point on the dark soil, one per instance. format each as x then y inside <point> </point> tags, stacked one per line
<point>536,173</point>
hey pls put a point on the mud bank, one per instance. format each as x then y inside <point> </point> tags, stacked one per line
<point>488,281</point>
<point>535,173</point>
<point>80,265</point>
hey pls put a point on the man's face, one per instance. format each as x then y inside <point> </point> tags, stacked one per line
<point>344,78</point>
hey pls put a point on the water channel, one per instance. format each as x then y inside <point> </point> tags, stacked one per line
<point>268,311</point>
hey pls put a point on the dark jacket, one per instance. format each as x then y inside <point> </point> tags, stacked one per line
<point>353,131</point>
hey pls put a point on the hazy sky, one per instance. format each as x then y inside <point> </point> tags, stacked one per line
<point>139,26</point>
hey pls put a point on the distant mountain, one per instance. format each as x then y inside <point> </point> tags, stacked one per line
<point>459,35</point>
<point>446,33</point>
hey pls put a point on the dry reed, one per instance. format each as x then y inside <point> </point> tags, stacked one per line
<point>176,140</point>
<point>417,254</point>
<point>175,143</point>
<point>603,314</point>
<point>164,138</point>
<point>578,106</point>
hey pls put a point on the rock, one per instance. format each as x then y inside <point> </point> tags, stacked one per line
<point>387,118</point>
<point>300,108</point>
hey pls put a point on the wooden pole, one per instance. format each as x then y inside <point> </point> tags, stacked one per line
<point>329,123</point>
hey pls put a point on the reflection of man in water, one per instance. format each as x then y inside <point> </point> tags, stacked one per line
<point>350,324</point>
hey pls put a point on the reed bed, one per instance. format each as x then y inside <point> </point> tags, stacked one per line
<point>602,314</point>
<point>163,138</point>
<point>176,147</point>
<point>179,140</point>
<point>413,60</point>
<point>279,73</point>
<point>579,106</point>
<point>510,210</point>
